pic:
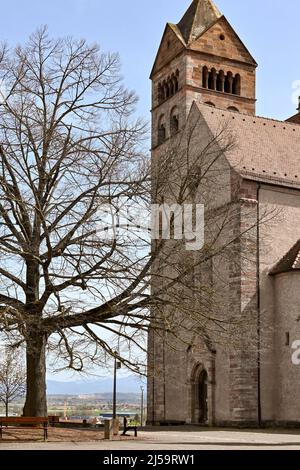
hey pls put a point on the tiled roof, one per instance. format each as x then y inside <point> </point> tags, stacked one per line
<point>200,15</point>
<point>290,262</point>
<point>265,149</point>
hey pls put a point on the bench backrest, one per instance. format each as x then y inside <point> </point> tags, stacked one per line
<point>22,420</point>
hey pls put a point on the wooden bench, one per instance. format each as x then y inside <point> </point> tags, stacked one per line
<point>20,422</point>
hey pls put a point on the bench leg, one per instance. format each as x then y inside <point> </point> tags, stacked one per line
<point>135,432</point>
<point>1,432</point>
<point>45,433</point>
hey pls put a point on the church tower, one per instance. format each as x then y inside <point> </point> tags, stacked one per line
<point>203,81</point>
<point>199,59</point>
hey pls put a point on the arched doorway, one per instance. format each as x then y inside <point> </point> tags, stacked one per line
<point>200,396</point>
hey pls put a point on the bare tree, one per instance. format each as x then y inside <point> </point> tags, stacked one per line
<point>12,378</point>
<point>69,147</point>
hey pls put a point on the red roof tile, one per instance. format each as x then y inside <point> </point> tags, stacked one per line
<point>266,150</point>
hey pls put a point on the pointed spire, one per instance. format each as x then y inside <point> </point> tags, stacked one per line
<point>200,15</point>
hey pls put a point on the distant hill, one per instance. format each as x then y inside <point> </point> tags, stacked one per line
<point>95,398</point>
<point>130,384</point>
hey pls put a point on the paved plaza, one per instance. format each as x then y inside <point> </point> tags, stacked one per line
<point>179,439</point>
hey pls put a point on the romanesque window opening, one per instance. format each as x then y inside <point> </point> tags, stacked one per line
<point>167,90</point>
<point>229,83</point>
<point>169,87</point>
<point>212,79</point>
<point>161,136</point>
<point>237,84</point>
<point>219,81</point>
<point>205,77</point>
<point>174,121</point>
<point>160,93</point>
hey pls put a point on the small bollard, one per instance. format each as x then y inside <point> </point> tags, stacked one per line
<point>108,429</point>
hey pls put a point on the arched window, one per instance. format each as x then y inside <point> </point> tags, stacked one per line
<point>234,109</point>
<point>168,87</point>
<point>209,103</point>
<point>176,83</point>
<point>161,134</point>
<point>171,86</point>
<point>229,83</point>
<point>161,94</point>
<point>166,90</point>
<point>221,81</point>
<point>218,87</point>
<point>237,84</point>
<point>174,121</point>
<point>212,80</point>
<point>205,77</point>
<point>218,81</point>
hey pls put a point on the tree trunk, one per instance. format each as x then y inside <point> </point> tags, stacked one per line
<point>6,408</point>
<point>36,399</point>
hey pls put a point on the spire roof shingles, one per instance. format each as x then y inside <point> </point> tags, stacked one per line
<point>198,18</point>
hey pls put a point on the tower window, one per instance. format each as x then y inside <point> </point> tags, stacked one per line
<point>229,83</point>
<point>219,81</point>
<point>212,79</point>
<point>175,82</point>
<point>205,77</point>
<point>167,90</point>
<point>161,93</point>
<point>237,84</point>
<point>222,37</point>
<point>168,87</point>
<point>174,121</point>
<point>161,135</point>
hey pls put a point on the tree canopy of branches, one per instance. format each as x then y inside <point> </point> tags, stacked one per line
<point>12,378</point>
<point>69,146</point>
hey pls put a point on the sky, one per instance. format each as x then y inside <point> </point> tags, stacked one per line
<point>269,28</point>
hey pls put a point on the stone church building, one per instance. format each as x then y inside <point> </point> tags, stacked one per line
<point>204,72</point>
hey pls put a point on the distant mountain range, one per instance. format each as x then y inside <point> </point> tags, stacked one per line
<point>130,384</point>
